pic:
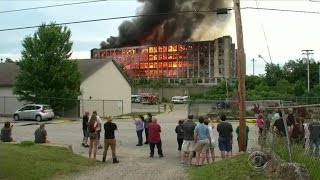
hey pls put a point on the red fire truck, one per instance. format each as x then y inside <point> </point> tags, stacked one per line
<point>148,98</point>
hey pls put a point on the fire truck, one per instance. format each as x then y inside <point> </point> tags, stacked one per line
<point>148,98</point>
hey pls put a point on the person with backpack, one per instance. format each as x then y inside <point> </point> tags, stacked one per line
<point>93,135</point>
<point>179,132</point>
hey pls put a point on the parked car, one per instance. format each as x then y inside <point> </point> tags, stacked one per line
<point>135,98</point>
<point>36,112</point>
<point>179,99</point>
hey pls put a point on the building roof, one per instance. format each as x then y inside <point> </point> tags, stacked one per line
<point>87,67</point>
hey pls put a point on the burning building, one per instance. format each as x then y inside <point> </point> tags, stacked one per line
<point>203,62</point>
<point>166,43</point>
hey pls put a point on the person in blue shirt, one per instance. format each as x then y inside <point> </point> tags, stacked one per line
<point>202,140</point>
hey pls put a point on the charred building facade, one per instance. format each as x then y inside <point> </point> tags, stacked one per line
<point>201,62</point>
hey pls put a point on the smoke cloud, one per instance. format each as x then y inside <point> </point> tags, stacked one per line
<point>170,28</point>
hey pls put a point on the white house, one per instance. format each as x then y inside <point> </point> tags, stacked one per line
<point>103,85</point>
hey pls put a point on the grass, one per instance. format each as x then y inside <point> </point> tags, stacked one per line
<point>32,161</point>
<point>311,163</point>
<point>236,167</point>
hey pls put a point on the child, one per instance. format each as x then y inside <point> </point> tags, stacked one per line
<point>179,131</point>
<point>259,123</point>
<point>238,138</point>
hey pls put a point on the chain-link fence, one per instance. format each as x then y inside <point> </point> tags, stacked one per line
<point>293,133</point>
<point>231,106</point>
<point>65,107</point>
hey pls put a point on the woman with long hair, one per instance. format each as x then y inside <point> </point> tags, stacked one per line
<point>93,135</point>
<point>6,132</point>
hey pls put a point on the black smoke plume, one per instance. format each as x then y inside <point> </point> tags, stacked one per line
<point>163,28</point>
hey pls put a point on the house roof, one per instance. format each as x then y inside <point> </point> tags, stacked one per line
<point>87,67</point>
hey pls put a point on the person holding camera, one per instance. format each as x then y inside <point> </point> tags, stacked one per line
<point>6,132</point>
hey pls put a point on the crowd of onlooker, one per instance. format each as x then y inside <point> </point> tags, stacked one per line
<point>296,129</point>
<point>193,139</point>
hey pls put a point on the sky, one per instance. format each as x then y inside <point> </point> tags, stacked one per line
<point>286,33</point>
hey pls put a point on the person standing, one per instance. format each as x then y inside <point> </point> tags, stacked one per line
<point>85,120</point>
<point>154,138</point>
<point>306,135</point>
<point>202,140</point>
<point>290,121</point>
<point>93,135</point>
<point>188,145</point>
<point>212,141</point>
<point>110,140</point>
<point>40,135</point>
<point>297,132</point>
<point>179,132</point>
<point>139,122</point>
<point>146,125</point>
<point>278,125</point>
<point>247,136</point>
<point>6,132</point>
<point>225,137</point>
<point>260,123</point>
<point>314,139</point>
<point>99,121</point>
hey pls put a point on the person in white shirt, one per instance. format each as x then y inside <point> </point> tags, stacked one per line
<point>99,121</point>
<point>212,142</point>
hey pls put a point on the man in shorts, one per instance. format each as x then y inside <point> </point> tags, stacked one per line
<point>98,128</point>
<point>85,120</point>
<point>202,140</point>
<point>188,145</point>
<point>225,137</point>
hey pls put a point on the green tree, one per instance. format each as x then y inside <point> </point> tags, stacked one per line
<point>46,75</point>
<point>273,74</point>
<point>253,81</point>
<point>299,88</point>
<point>295,70</point>
<point>8,60</point>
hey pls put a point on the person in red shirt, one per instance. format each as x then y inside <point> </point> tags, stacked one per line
<point>154,139</point>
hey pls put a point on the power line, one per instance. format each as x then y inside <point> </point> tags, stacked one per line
<point>283,10</point>
<point>264,32</point>
<point>51,6</point>
<point>121,17</point>
<point>161,14</point>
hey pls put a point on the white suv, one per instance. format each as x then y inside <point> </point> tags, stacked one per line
<point>37,112</point>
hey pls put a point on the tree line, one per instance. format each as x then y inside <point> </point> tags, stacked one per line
<point>290,80</point>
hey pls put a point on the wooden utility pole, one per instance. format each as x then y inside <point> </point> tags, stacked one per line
<point>241,76</point>
<point>308,52</point>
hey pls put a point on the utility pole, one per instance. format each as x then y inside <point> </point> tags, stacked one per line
<point>308,52</point>
<point>240,66</point>
<point>253,60</point>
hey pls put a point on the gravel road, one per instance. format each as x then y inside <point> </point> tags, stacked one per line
<point>135,163</point>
